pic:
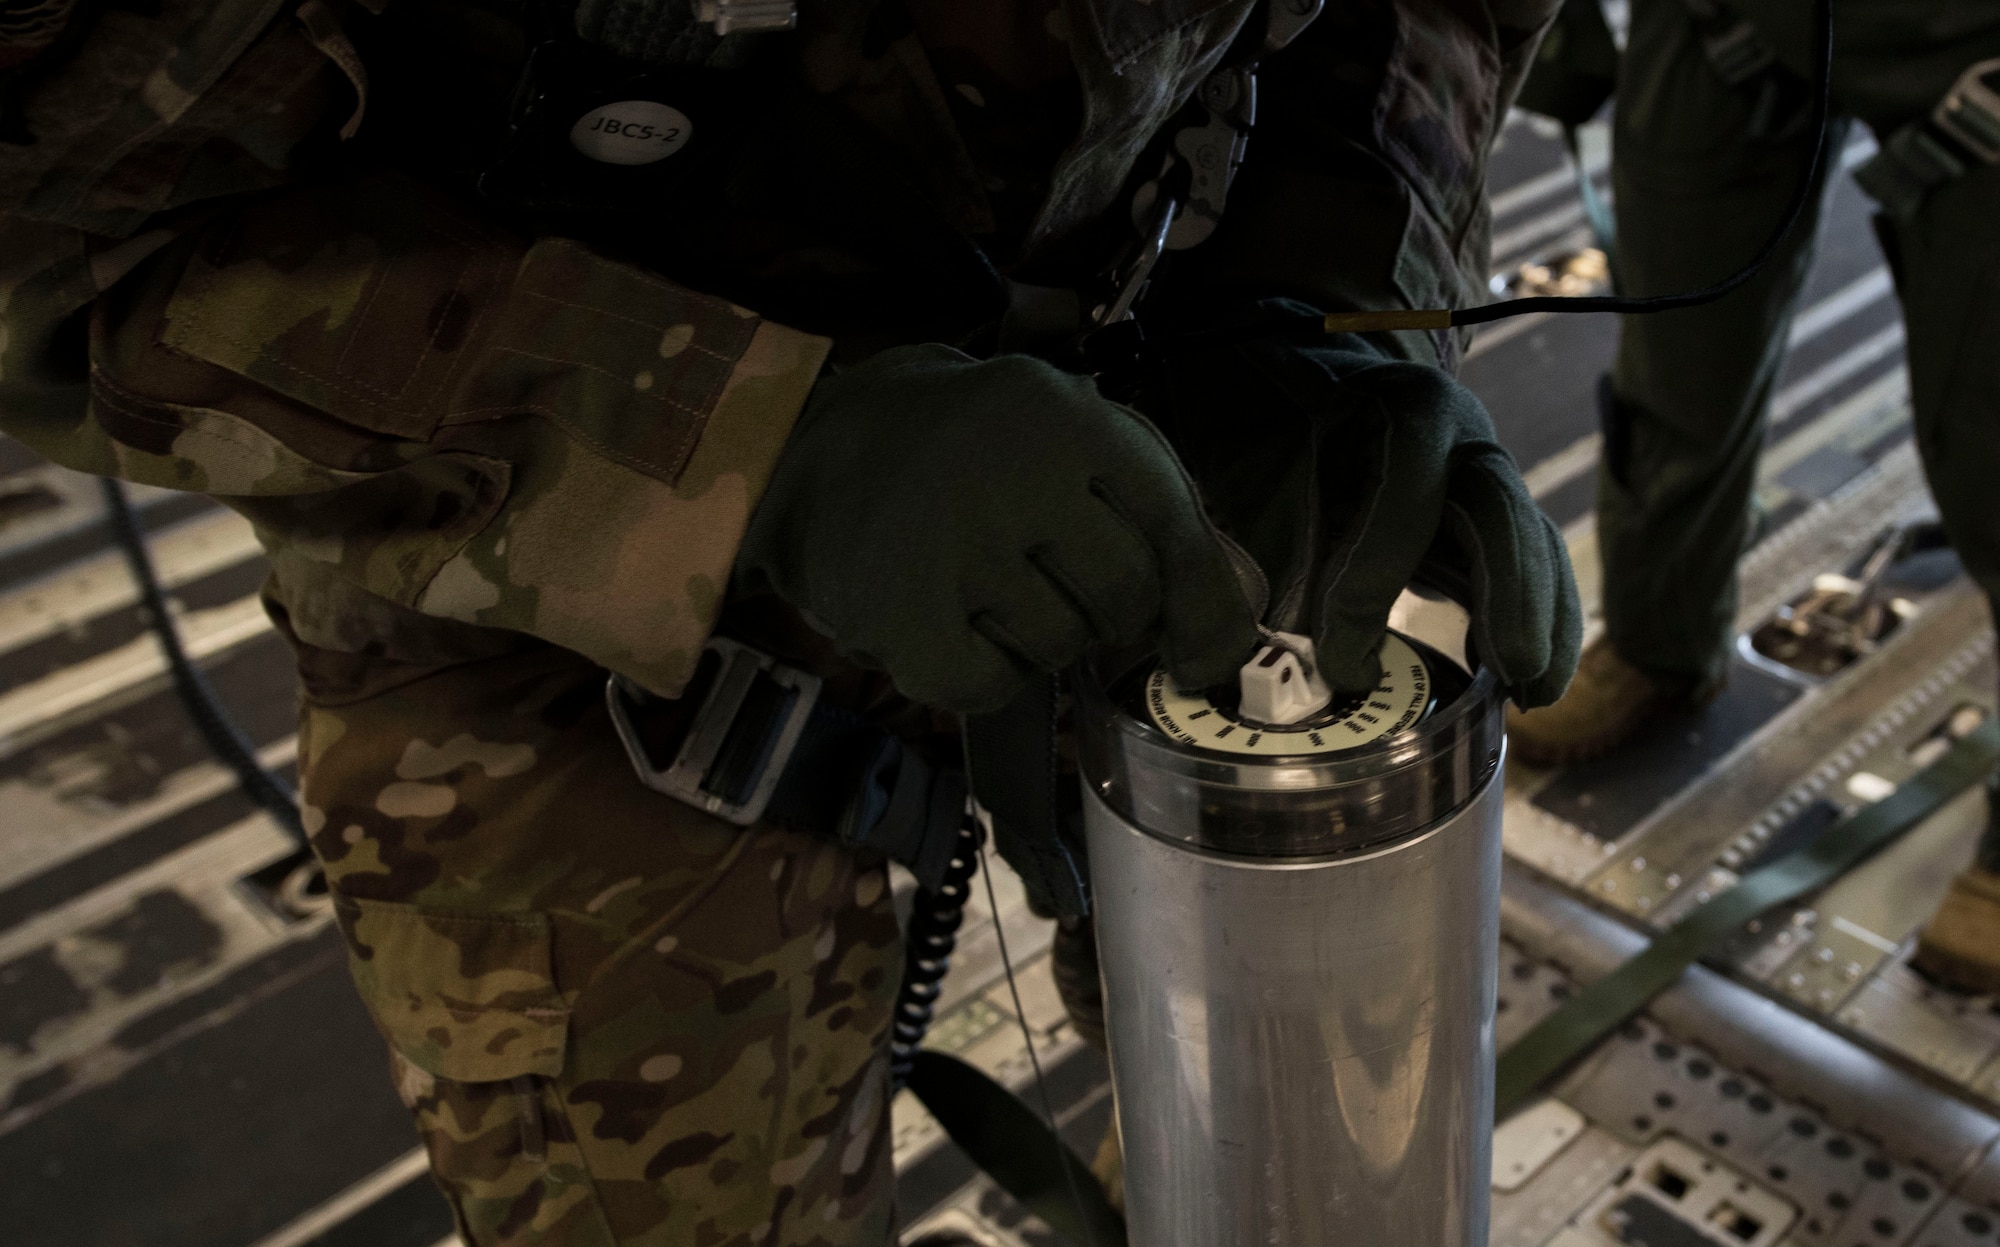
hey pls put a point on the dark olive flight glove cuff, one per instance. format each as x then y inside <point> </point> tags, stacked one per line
<point>1343,470</point>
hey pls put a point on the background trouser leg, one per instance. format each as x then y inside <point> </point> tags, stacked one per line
<point>1894,60</point>
<point>1947,263</point>
<point>1697,194</point>
<point>616,1020</point>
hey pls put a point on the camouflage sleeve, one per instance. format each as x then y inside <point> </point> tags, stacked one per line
<point>1365,182</point>
<point>415,404</point>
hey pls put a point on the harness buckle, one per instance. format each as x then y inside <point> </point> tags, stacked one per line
<point>727,755</point>
<point>730,16</point>
<point>1970,111</point>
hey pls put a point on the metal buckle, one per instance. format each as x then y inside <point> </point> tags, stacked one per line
<point>726,764</point>
<point>1970,111</point>
<point>730,16</point>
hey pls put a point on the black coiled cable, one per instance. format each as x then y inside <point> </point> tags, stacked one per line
<point>928,945</point>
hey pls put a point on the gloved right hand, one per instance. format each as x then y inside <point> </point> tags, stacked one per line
<point>964,525</point>
<point>1343,470</point>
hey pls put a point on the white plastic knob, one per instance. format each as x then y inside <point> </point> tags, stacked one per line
<point>1277,688</point>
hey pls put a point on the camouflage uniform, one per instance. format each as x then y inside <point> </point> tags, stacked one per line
<point>489,461</point>
<point>617,1019</point>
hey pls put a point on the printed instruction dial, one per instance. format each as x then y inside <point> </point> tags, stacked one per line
<point>1401,698</point>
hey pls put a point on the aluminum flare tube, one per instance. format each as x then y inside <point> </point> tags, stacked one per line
<point>1298,961</point>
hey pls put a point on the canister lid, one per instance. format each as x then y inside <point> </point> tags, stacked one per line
<point>1189,766</point>
<point>1212,719</point>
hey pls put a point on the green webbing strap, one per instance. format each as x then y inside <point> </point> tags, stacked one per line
<point>1597,1010</point>
<point>1903,171</point>
<point>1008,1140</point>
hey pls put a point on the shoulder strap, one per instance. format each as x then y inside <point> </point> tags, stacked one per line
<point>1016,1148</point>
<point>1963,130</point>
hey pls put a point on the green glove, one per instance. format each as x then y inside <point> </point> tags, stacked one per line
<point>965,525</point>
<point>1341,469</point>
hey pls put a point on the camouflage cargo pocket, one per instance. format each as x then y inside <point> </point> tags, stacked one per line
<point>364,300</point>
<point>477,1034</point>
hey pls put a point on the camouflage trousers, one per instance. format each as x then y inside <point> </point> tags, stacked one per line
<point>616,1020</point>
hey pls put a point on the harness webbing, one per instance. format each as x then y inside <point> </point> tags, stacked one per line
<point>1595,1011</point>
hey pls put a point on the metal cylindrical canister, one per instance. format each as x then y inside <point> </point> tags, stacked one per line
<point>1298,961</point>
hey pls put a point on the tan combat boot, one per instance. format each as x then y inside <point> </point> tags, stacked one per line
<point>1108,1166</point>
<point>1607,702</point>
<point>1961,946</point>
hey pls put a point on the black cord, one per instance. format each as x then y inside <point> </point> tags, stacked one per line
<point>1034,1060</point>
<point>197,696</point>
<point>1446,318</point>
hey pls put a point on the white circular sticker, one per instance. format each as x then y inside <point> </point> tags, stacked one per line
<point>631,132</point>
<point>1396,703</point>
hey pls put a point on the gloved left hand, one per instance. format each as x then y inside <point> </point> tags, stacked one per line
<point>1340,469</point>
<point>967,525</point>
